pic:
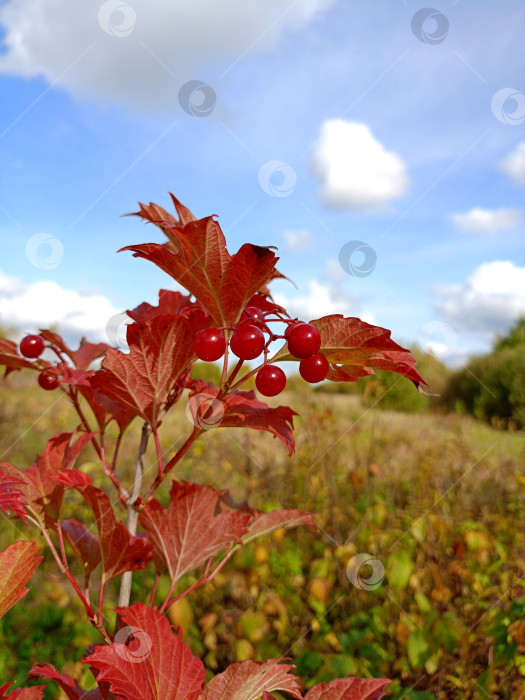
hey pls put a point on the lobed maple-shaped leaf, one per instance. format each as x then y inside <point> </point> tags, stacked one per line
<point>84,543</point>
<point>241,409</point>
<point>147,661</point>
<point>17,564</point>
<point>38,484</point>
<point>11,359</point>
<point>266,523</point>
<point>157,215</point>
<point>81,358</point>
<point>170,302</point>
<point>11,498</point>
<point>199,260</point>
<point>248,680</point>
<point>64,681</point>
<point>355,348</point>
<point>190,531</point>
<point>139,383</point>
<point>349,689</point>
<point>120,551</point>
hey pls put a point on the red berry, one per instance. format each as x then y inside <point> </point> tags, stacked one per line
<point>47,381</point>
<point>289,327</point>
<point>314,369</point>
<point>304,340</point>
<point>209,344</point>
<point>247,342</point>
<point>254,313</point>
<point>270,380</point>
<point>32,346</point>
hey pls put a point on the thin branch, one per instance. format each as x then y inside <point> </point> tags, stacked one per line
<point>133,514</point>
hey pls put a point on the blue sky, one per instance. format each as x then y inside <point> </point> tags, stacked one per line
<point>391,124</point>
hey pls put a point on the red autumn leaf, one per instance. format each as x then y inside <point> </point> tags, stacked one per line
<point>11,497</point>
<point>189,532</point>
<point>120,551</point>
<point>147,661</point>
<point>17,564</point>
<point>240,409</point>
<point>349,689</point>
<point>170,302</point>
<point>81,358</point>
<point>265,523</point>
<point>157,215</point>
<point>64,680</point>
<point>198,260</point>
<point>34,693</point>
<point>4,687</point>
<point>39,487</point>
<point>161,352</point>
<point>265,303</point>
<point>85,545</point>
<point>11,359</point>
<point>355,348</point>
<point>248,680</point>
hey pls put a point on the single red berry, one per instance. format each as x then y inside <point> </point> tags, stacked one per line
<point>270,380</point>
<point>289,327</point>
<point>314,369</point>
<point>303,341</point>
<point>254,313</point>
<point>209,344</point>
<point>32,346</point>
<point>47,381</point>
<point>247,342</point>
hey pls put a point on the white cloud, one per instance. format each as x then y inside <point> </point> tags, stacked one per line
<point>488,302</point>
<point>140,53</point>
<point>514,164</point>
<point>320,300</point>
<point>355,170</point>
<point>46,304</point>
<point>297,241</point>
<point>487,220</point>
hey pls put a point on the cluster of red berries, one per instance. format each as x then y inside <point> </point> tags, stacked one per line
<point>248,341</point>
<point>32,346</point>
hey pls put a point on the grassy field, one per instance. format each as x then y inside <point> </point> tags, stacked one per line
<point>435,499</point>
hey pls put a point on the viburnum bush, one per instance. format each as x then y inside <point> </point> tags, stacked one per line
<point>228,311</point>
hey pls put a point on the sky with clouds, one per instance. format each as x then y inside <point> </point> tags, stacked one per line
<point>379,144</point>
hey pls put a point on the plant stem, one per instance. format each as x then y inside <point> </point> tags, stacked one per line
<point>133,515</point>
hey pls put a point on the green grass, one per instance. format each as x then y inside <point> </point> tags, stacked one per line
<point>435,498</point>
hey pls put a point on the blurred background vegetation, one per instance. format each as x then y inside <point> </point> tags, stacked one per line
<point>431,486</point>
